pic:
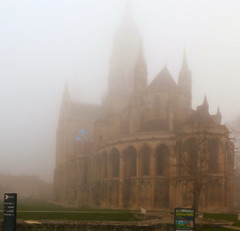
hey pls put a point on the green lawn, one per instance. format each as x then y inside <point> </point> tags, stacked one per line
<point>222,216</point>
<point>85,216</point>
<point>209,229</point>
<point>39,205</point>
<point>216,229</point>
<point>42,210</point>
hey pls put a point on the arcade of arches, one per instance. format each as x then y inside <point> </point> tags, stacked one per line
<point>149,175</point>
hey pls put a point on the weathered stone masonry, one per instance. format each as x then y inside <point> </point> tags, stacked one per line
<point>144,146</point>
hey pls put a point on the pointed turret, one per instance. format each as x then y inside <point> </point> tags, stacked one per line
<point>218,117</point>
<point>140,72</point>
<point>185,82</point>
<point>219,113</point>
<point>201,115</point>
<point>205,103</point>
<point>203,109</point>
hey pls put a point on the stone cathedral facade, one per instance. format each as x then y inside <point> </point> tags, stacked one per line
<point>144,146</point>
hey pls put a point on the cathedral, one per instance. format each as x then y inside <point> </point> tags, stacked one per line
<point>144,146</point>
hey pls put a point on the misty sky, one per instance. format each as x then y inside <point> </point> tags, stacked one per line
<point>43,43</point>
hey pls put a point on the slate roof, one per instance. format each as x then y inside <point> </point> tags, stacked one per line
<point>163,81</point>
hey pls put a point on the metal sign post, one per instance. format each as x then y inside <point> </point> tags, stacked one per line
<point>184,219</point>
<point>9,212</point>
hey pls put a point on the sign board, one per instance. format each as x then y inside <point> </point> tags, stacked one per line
<point>9,212</point>
<point>184,219</point>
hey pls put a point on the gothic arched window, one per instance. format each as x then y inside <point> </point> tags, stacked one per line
<point>162,160</point>
<point>130,158</point>
<point>145,160</point>
<point>115,163</point>
<point>190,161</point>
<point>104,165</point>
<point>214,152</point>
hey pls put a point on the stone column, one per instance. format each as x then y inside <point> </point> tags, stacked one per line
<point>152,172</point>
<point>172,173</point>
<point>121,179</point>
<point>138,175</point>
<point>107,203</point>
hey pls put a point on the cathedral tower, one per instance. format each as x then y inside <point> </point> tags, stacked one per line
<point>125,50</point>
<point>140,72</point>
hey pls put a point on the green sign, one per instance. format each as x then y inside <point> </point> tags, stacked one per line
<point>184,219</point>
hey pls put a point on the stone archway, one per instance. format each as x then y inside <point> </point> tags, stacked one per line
<point>104,177</point>
<point>114,163</point>
<point>145,160</point>
<point>214,152</point>
<point>145,181</point>
<point>130,173</point>
<point>113,183</point>
<point>161,192</point>
<point>162,164</point>
<point>130,162</point>
<point>104,165</point>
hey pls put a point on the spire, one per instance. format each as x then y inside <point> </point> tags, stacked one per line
<point>185,82</point>
<point>140,71</point>
<point>184,64</point>
<point>218,112</point>
<point>218,116</point>
<point>125,49</point>
<point>205,102</point>
<point>140,58</point>
<point>202,112</point>
<point>184,67</point>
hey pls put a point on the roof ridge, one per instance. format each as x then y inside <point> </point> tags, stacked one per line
<point>163,79</point>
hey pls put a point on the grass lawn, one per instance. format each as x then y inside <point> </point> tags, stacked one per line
<point>85,216</point>
<point>42,210</point>
<point>39,205</point>
<point>216,229</point>
<point>222,216</point>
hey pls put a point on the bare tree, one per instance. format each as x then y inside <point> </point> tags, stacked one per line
<point>197,161</point>
<point>234,127</point>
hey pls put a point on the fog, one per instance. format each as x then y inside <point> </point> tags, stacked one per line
<point>44,43</point>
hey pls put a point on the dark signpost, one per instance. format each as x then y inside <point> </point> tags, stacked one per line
<point>184,219</point>
<point>9,211</point>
